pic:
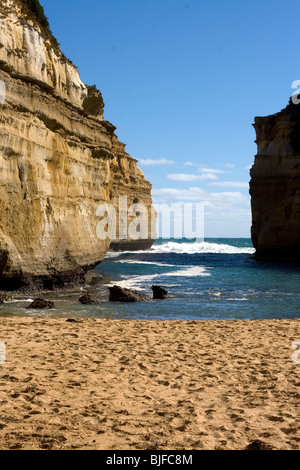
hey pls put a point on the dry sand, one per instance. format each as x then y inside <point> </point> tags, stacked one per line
<point>103,384</point>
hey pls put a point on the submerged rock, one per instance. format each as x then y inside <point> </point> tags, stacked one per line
<point>118,294</point>
<point>87,300</point>
<point>41,304</point>
<point>159,293</point>
<point>5,297</point>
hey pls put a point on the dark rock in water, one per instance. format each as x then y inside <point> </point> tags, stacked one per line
<point>87,300</point>
<point>259,445</point>
<point>131,245</point>
<point>41,303</point>
<point>118,294</point>
<point>5,297</point>
<point>159,293</point>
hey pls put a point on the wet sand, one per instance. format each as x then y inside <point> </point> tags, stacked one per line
<point>110,384</point>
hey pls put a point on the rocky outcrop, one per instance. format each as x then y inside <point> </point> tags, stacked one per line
<point>5,297</point>
<point>275,185</point>
<point>40,304</point>
<point>159,293</point>
<point>119,294</point>
<point>59,160</point>
<point>87,300</point>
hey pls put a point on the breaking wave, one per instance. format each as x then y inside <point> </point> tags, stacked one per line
<point>200,247</point>
<point>143,282</point>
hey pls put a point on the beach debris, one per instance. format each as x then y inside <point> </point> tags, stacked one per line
<point>41,304</point>
<point>72,320</point>
<point>258,445</point>
<point>159,293</point>
<point>5,297</point>
<point>10,378</point>
<point>87,300</point>
<point>119,294</point>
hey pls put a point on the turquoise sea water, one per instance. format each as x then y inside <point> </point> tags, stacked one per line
<point>214,280</point>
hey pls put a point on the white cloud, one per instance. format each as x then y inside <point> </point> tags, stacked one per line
<point>202,169</point>
<point>211,170</point>
<point>248,167</point>
<point>227,213</point>
<point>190,177</point>
<point>229,165</point>
<point>191,164</point>
<point>202,174</point>
<point>195,194</point>
<point>230,184</point>
<point>174,194</point>
<point>162,161</point>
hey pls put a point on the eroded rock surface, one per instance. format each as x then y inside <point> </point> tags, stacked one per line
<point>119,294</point>
<point>275,185</point>
<point>40,304</point>
<point>59,160</point>
<point>87,300</point>
<point>159,293</point>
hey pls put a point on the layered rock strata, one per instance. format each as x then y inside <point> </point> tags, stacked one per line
<point>59,160</point>
<point>275,185</point>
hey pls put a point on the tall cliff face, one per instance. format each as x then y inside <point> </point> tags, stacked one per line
<point>59,160</point>
<point>275,185</point>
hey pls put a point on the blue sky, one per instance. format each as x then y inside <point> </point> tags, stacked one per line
<point>183,80</point>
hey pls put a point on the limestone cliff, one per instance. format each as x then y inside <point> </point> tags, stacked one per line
<point>59,159</point>
<point>275,185</point>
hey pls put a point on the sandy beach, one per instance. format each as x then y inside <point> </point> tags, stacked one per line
<point>117,385</point>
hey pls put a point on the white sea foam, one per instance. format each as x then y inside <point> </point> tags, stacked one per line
<point>113,254</point>
<point>144,282</point>
<point>17,301</point>
<point>131,261</point>
<point>136,282</point>
<point>190,248</point>
<point>242,299</point>
<point>188,271</point>
<point>200,247</point>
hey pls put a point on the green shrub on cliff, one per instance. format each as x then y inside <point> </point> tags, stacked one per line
<point>38,11</point>
<point>36,8</point>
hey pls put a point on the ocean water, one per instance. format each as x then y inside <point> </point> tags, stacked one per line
<point>214,280</point>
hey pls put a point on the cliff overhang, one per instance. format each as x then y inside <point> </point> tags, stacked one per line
<point>59,160</point>
<point>275,186</point>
